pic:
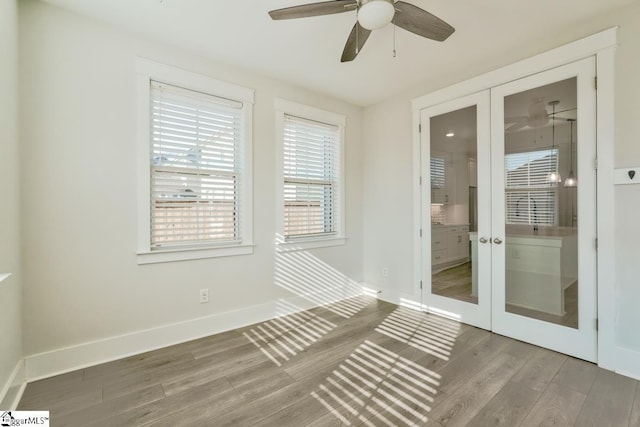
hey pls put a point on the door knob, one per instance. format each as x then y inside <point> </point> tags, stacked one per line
<point>483,240</point>
<point>497,240</point>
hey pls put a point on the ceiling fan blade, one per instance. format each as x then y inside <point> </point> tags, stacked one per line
<point>314,9</point>
<point>514,119</point>
<point>561,119</point>
<point>515,127</point>
<point>421,22</point>
<point>356,40</point>
<point>562,111</point>
<point>560,115</point>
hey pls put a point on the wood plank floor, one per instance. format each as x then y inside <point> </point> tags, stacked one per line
<point>359,362</point>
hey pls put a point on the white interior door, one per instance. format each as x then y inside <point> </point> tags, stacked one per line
<point>544,228</point>
<point>456,209</point>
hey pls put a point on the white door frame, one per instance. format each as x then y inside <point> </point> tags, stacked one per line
<point>602,45</point>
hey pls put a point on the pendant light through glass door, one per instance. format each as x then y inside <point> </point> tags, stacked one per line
<point>571,180</point>
<point>555,175</point>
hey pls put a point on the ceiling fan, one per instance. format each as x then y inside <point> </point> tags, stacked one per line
<point>538,116</point>
<point>372,15</point>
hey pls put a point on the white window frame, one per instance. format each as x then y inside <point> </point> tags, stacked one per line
<point>146,72</point>
<point>284,107</point>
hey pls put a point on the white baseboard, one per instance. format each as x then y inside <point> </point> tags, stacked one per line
<point>13,389</point>
<point>392,296</point>
<point>628,362</point>
<point>59,361</point>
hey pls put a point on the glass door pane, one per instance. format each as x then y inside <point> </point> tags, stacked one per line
<point>453,138</point>
<point>541,268</point>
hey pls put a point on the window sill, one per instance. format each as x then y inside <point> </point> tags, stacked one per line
<point>172,255</point>
<point>304,244</point>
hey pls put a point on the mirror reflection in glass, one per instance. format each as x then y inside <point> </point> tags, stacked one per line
<point>541,176</point>
<point>453,181</point>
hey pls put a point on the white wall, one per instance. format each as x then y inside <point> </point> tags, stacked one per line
<point>387,198</point>
<point>387,136</point>
<point>78,130</point>
<point>10,289</point>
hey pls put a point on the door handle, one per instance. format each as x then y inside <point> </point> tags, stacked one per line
<point>497,240</point>
<point>483,240</point>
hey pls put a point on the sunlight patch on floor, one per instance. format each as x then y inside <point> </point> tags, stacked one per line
<point>287,335</point>
<point>375,385</point>
<point>431,334</point>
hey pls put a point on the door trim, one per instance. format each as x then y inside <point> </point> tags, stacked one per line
<point>602,45</point>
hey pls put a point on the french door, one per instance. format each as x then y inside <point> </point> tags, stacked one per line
<point>457,160</point>
<point>510,199</point>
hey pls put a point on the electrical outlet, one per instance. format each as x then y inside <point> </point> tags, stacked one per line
<point>204,296</point>
<point>385,271</point>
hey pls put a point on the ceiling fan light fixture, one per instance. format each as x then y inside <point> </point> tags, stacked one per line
<point>375,14</point>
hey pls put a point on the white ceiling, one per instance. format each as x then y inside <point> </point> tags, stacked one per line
<point>307,51</point>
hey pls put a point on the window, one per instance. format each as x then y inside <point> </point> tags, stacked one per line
<point>310,178</point>
<point>438,175</point>
<point>530,198</point>
<point>311,175</point>
<point>197,181</point>
<point>195,168</point>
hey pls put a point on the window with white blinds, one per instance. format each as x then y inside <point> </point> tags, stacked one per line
<point>437,173</point>
<point>438,177</point>
<point>195,168</point>
<point>530,197</point>
<point>311,173</point>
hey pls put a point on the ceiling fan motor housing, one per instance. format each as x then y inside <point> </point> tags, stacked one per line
<point>375,14</point>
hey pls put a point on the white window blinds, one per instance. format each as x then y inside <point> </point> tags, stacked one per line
<point>195,168</point>
<point>438,180</point>
<point>311,176</point>
<point>437,173</point>
<point>530,197</point>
